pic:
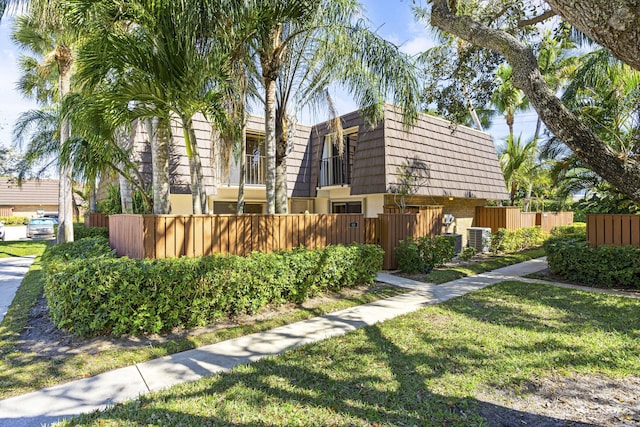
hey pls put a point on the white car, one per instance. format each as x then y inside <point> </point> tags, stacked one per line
<point>40,227</point>
<point>2,232</point>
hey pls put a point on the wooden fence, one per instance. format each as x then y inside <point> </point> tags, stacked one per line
<point>6,211</point>
<point>511,218</point>
<point>395,227</point>
<point>610,229</point>
<point>96,220</point>
<point>163,236</point>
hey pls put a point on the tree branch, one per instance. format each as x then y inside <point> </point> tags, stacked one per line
<point>536,19</point>
<point>526,76</point>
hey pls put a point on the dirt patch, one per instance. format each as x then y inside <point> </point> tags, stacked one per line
<point>577,400</point>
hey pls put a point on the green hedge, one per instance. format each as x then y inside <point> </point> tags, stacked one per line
<point>80,231</point>
<point>14,220</point>
<point>424,253</point>
<point>573,258</point>
<point>517,240</point>
<point>100,294</point>
<point>564,230</point>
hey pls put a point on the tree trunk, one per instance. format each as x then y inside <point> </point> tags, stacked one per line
<point>282,143</point>
<point>243,163</point>
<point>124,140</point>
<point>202,191</point>
<point>65,197</point>
<point>194,159</point>
<point>611,23</point>
<point>527,199</point>
<point>472,109</point>
<point>159,139</point>
<point>622,172</point>
<point>270,142</point>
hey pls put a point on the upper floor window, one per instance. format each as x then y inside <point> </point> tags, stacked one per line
<point>336,168</point>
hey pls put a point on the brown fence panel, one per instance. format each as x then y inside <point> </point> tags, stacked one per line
<point>397,227</point>
<point>8,211</point>
<point>613,229</point>
<point>548,220</point>
<point>126,235</point>
<point>496,217</point>
<point>95,220</point>
<point>528,219</point>
<point>372,231</point>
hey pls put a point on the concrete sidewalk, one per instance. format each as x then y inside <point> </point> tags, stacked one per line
<point>12,271</point>
<point>51,404</point>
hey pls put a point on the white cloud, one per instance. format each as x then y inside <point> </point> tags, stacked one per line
<point>417,45</point>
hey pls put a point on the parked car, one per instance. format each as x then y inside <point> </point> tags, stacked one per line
<point>40,227</point>
<point>2,232</point>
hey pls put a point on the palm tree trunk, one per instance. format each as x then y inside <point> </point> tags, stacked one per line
<point>281,164</point>
<point>471,108</point>
<point>124,140</point>
<point>159,139</point>
<point>65,196</point>
<point>243,163</point>
<point>195,186</point>
<point>202,191</point>
<point>270,142</point>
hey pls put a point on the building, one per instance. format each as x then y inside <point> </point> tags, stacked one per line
<point>34,197</point>
<point>457,166</point>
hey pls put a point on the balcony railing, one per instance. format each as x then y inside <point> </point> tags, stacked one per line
<point>254,172</point>
<point>334,171</point>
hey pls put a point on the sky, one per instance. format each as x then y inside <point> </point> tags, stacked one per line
<point>393,20</point>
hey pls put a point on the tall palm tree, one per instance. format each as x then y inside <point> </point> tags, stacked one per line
<point>44,17</point>
<point>517,161</point>
<point>506,97</point>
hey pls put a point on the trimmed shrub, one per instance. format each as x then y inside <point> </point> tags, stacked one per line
<point>80,231</point>
<point>572,257</point>
<point>467,253</point>
<point>565,230</point>
<point>14,220</point>
<point>108,295</point>
<point>517,240</point>
<point>424,253</point>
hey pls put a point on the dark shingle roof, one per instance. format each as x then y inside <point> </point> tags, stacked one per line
<point>31,192</point>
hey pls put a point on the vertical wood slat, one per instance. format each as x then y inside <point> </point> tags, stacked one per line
<point>613,229</point>
<point>90,220</point>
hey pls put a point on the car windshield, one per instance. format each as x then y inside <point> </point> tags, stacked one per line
<point>41,221</point>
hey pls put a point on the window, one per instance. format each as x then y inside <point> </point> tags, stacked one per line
<point>346,207</point>
<point>336,169</point>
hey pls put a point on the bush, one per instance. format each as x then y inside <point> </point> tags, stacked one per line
<point>510,241</point>
<point>467,253</point>
<point>572,257</point>
<point>425,253</point>
<point>126,296</point>
<point>14,220</point>
<point>80,231</point>
<point>565,230</point>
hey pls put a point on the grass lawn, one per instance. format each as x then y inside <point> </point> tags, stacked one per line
<point>447,274</point>
<point>425,368</point>
<point>22,248</point>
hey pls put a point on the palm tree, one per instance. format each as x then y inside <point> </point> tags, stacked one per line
<point>517,161</point>
<point>159,63</point>
<point>506,97</point>
<point>50,18</point>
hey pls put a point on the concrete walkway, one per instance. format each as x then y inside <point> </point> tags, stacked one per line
<point>12,271</point>
<point>51,404</point>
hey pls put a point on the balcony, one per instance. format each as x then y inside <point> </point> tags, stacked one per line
<point>334,171</point>
<point>254,172</point>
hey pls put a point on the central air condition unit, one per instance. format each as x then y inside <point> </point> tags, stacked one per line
<point>480,238</point>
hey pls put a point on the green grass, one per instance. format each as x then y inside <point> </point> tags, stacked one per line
<point>447,274</point>
<point>21,248</point>
<point>424,368</point>
<point>21,372</point>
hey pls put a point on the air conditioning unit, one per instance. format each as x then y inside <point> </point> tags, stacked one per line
<point>480,238</point>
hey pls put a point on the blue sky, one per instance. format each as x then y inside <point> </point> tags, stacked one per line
<point>392,18</point>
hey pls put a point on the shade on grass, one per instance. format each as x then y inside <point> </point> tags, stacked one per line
<point>424,368</point>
